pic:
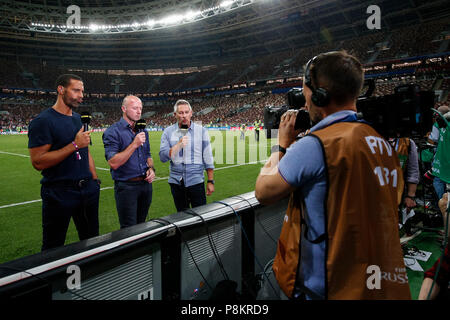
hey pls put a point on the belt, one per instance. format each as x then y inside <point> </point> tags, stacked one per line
<point>140,178</point>
<point>67,183</point>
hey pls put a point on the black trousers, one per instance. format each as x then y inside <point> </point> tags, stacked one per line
<point>185,197</point>
<point>63,201</point>
<point>133,199</point>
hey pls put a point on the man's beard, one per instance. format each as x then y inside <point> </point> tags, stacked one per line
<point>71,103</point>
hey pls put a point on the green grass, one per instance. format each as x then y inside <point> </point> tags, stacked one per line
<point>426,241</point>
<point>21,229</point>
<point>20,226</point>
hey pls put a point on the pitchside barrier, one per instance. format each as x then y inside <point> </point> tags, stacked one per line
<point>194,254</point>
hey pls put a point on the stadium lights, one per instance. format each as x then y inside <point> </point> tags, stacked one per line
<point>226,3</point>
<point>191,15</point>
<point>151,24</point>
<point>93,27</point>
<point>172,19</point>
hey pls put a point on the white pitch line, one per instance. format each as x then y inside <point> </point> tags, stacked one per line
<point>107,188</point>
<point>18,204</point>
<point>104,169</point>
<point>15,154</point>
<point>26,156</point>
<point>239,165</point>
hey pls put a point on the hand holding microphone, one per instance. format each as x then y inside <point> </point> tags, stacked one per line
<point>184,141</point>
<point>85,120</point>
<point>140,127</point>
<point>83,138</point>
<point>139,139</point>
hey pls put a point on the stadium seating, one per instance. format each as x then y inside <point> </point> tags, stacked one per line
<point>19,107</point>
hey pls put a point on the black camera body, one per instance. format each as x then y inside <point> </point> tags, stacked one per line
<point>404,113</point>
<point>295,101</point>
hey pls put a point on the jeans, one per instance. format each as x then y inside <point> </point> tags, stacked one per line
<point>439,187</point>
<point>60,203</point>
<point>133,199</point>
<point>184,197</point>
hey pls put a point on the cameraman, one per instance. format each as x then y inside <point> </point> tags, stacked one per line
<point>345,183</point>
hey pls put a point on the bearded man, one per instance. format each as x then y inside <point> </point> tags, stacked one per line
<point>58,146</point>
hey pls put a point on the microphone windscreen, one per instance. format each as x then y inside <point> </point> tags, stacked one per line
<point>140,125</point>
<point>85,117</point>
<point>184,129</point>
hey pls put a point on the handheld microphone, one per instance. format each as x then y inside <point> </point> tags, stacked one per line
<point>85,120</point>
<point>140,125</point>
<point>184,129</point>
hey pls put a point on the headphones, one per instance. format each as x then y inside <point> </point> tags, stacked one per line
<point>320,96</point>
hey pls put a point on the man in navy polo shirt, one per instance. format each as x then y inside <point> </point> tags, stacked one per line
<point>128,155</point>
<point>58,147</point>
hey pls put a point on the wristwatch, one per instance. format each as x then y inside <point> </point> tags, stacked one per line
<point>278,148</point>
<point>210,181</point>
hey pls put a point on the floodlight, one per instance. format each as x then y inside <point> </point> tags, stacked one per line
<point>226,3</point>
<point>93,27</point>
<point>172,19</point>
<point>191,15</point>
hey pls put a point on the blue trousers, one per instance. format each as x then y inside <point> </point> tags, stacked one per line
<point>63,201</point>
<point>184,197</point>
<point>133,199</point>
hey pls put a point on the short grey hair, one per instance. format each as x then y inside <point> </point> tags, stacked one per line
<point>181,101</point>
<point>128,97</point>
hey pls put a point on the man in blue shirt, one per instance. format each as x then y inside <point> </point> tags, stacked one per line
<point>187,146</point>
<point>58,147</point>
<point>305,169</point>
<point>128,155</point>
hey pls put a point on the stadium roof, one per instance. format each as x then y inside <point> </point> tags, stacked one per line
<point>261,28</point>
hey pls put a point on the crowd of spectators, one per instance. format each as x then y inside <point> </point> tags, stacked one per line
<point>231,110</point>
<point>217,110</point>
<point>413,40</point>
<point>386,86</point>
<point>17,109</point>
<point>384,45</point>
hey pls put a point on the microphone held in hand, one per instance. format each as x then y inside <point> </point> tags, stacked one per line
<point>140,125</point>
<point>184,129</point>
<point>85,120</point>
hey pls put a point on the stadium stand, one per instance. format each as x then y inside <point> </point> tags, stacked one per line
<point>230,67</point>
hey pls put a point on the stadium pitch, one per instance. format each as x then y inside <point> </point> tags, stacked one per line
<point>20,201</point>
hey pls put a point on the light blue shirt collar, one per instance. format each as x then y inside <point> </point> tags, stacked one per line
<point>335,117</point>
